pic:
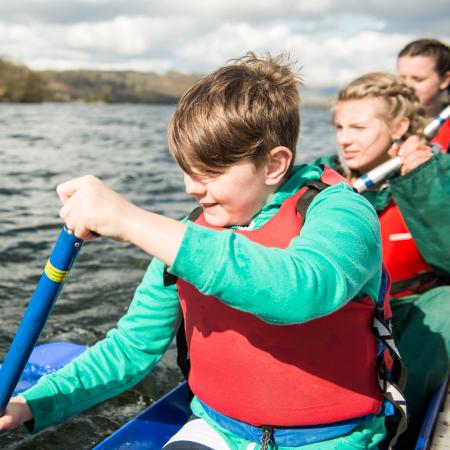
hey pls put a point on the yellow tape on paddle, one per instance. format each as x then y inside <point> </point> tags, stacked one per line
<point>55,274</point>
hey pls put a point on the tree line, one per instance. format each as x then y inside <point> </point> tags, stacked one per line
<point>20,84</point>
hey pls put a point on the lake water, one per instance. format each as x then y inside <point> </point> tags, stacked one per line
<point>125,145</point>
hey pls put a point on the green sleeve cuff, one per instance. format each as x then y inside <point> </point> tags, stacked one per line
<point>41,401</point>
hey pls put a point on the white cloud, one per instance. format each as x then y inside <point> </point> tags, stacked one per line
<point>348,57</point>
<point>333,40</point>
<point>125,35</point>
<point>233,40</point>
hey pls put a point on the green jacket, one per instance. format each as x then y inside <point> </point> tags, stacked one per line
<point>336,257</point>
<point>423,196</point>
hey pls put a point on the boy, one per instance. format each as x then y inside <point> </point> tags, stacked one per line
<point>278,321</point>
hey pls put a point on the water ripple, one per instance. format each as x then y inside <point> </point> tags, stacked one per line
<point>126,145</point>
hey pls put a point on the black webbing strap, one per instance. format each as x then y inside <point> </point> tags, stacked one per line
<point>195,214</point>
<point>169,279</point>
<point>424,279</point>
<point>183,352</point>
<point>392,382</point>
<point>315,187</point>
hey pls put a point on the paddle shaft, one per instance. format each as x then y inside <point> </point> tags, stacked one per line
<point>384,170</point>
<point>432,128</point>
<point>56,270</point>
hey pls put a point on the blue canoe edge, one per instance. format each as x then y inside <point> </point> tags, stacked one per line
<point>430,420</point>
<point>153,427</point>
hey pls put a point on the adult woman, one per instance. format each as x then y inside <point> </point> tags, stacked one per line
<point>377,116</point>
<point>424,64</point>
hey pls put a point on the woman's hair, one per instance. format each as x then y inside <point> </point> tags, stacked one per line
<point>430,47</point>
<point>238,113</point>
<point>396,99</point>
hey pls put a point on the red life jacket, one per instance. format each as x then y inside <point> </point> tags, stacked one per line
<point>442,137</point>
<point>408,270</point>
<point>318,372</point>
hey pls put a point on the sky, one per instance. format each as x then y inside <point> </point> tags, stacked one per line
<point>333,41</point>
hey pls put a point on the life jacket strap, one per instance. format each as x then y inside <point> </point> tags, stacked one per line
<point>392,379</point>
<point>168,278</point>
<point>315,187</point>
<point>273,436</point>
<point>419,283</point>
<point>266,438</point>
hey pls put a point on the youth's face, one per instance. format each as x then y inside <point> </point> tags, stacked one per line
<point>362,136</point>
<point>419,72</point>
<point>232,198</point>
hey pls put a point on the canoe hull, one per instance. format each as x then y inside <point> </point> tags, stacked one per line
<point>152,428</point>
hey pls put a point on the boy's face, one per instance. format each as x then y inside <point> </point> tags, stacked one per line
<point>232,198</point>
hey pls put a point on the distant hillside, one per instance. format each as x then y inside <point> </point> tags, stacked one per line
<point>117,86</point>
<point>318,97</point>
<point>20,84</point>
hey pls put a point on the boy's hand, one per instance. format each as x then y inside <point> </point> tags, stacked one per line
<point>413,153</point>
<point>17,412</point>
<point>91,208</point>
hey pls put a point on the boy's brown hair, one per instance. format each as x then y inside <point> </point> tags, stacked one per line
<point>238,113</point>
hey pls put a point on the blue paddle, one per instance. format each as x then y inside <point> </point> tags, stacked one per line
<point>56,270</point>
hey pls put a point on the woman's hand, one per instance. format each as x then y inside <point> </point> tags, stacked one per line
<point>17,412</point>
<point>91,208</point>
<point>413,153</point>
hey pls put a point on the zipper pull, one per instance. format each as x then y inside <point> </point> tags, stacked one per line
<point>266,438</point>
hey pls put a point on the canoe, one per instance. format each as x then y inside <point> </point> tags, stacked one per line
<point>45,359</point>
<point>150,429</point>
<point>153,427</point>
<point>431,418</point>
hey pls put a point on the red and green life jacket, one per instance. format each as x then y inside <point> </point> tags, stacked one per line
<point>409,272</point>
<point>327,370</point>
